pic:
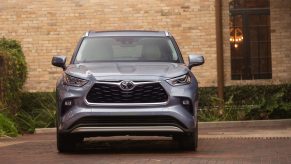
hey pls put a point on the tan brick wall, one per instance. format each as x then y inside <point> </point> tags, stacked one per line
<point>50,27</point>
<point>280,17</point>
<point>281,40</point>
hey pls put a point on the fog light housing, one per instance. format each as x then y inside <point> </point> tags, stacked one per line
<point>186,102</point>
<point>67,104</point>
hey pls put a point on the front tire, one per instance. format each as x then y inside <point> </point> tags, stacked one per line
<point>66,143</point>
<point>188,141</point>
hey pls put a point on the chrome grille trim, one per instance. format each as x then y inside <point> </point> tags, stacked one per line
<point>128,129</point>
<point>117,83</point>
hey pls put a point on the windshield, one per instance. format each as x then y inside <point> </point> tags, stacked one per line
<point>125,48</point>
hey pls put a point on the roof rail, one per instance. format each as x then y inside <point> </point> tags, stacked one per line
<point>92,32</point>
<point>167,33</point>
<point>87,33</point>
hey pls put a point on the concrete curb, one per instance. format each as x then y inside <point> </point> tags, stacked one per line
<point>220,124</point>
<point>247,124</point>
<point>45,130</point>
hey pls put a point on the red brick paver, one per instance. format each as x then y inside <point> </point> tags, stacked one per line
<point>41,148</point>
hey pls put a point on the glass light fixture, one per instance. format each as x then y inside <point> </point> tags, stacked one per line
<point>236,36</point>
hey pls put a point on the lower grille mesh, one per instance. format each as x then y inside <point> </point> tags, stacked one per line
<point>126,120</point>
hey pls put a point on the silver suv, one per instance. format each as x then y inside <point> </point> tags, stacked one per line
<point>127,83</point>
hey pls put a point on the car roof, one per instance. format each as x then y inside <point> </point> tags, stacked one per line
<point>126,33</point>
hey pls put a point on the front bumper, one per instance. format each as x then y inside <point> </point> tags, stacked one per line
<point>185,120</point>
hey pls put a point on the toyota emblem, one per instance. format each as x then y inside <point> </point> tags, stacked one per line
<point>126,85</point>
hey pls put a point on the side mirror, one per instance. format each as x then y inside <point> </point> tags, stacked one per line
<point>59,61</point>
<point>195,60</point>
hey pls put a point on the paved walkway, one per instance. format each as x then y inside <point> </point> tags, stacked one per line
<point>216,145</point>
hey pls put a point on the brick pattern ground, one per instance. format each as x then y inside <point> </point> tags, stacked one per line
<point>41,149</point>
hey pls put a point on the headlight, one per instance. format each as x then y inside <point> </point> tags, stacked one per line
<point>74,81</point>
<point>181,80</point>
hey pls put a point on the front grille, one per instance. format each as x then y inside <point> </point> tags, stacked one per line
<point>126,121</point>
<point>112,93</point>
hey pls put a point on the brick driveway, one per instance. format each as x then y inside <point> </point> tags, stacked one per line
<point>41,148</point>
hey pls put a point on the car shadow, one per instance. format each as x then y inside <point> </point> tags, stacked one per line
<point>128,146</point>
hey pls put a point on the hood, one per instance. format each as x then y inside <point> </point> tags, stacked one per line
<point>130,71</point>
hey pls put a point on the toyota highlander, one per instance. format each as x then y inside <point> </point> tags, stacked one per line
<point>127,83</point>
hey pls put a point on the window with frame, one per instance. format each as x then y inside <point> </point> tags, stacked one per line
<point>250,39</point>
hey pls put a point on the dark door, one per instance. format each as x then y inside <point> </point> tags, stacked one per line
<point>250,43</point>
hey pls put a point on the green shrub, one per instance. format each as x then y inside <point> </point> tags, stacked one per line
<point>7,126</point>
<point>206,96</point>
<point>246,103</point>
<point>28,122</point>
<point>13,73</point>
<point>37,111</point>
<point>242,103</point>
<point>228,112</point>
<point>31,101</point>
